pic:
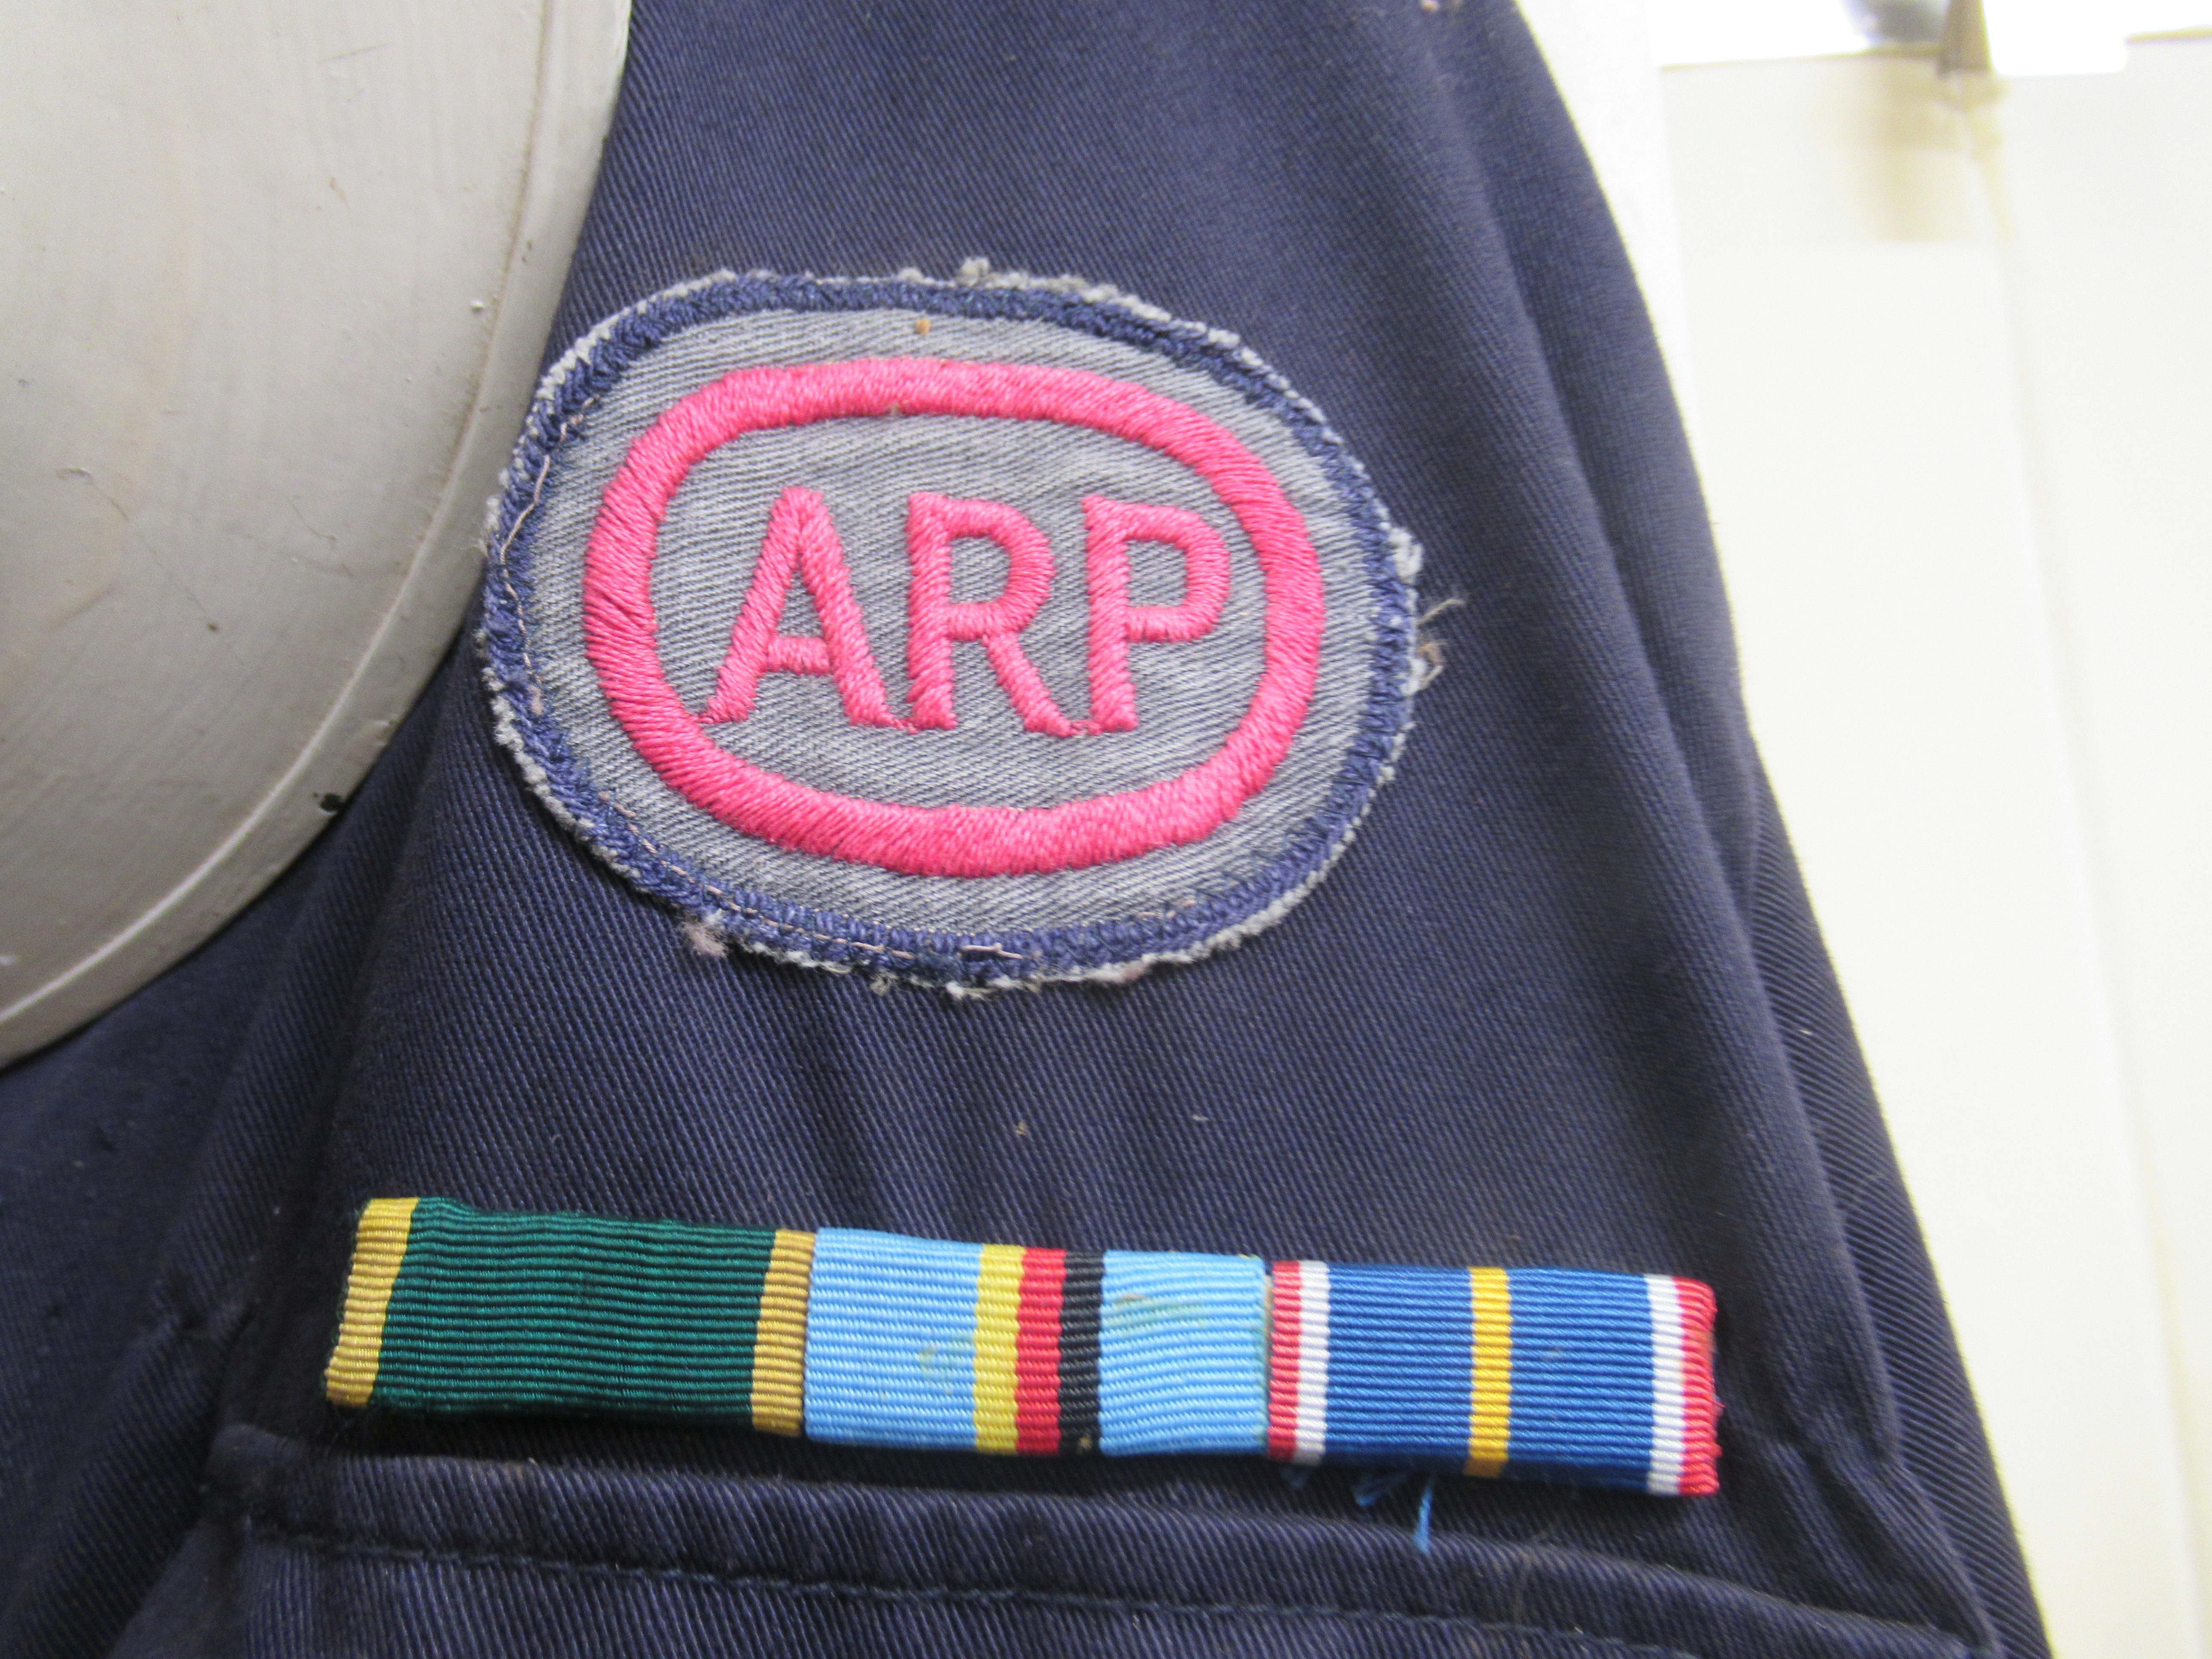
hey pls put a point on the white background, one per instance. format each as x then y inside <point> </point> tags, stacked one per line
<point>1944,341</point>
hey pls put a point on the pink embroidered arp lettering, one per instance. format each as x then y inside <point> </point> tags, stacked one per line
<point>1110,527</point>
<point>933,523</point>
<point>802,541</point>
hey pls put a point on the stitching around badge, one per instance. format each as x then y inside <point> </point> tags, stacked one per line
<point>1105,952</point>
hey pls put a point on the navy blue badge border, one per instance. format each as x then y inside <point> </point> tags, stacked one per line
<point>1104,950</point>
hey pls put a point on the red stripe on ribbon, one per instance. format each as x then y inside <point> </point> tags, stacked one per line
<point>1036,1353</point>
<point>1701,1411</point>
<point>1283,1305</point>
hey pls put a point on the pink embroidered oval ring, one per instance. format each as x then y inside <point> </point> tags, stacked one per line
<point>977,634</point>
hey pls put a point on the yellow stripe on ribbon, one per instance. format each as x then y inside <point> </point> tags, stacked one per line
<point>1490,1415</point>
<point>779,1387</point>
<point>380,1245</point>
<point>998,1342</point>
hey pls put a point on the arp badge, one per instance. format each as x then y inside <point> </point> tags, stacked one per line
<point>978,635</point>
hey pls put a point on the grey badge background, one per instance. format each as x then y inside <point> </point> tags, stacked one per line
<point>1189,696</point>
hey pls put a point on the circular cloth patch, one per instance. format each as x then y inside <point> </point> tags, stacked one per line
<point>976,634</point>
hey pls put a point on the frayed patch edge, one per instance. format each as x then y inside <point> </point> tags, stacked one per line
<point>706,928</point>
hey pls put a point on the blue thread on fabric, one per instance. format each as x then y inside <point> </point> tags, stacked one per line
<point>1182,1353</point>
<point>1582,1378</point>
<point>839,941</point>
<point>1373,1486</point>
<point>890,1356</point>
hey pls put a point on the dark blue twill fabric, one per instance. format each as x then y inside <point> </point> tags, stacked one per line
<point>1561,1004</point>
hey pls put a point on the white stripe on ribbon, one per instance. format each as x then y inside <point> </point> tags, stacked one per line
<point>1313,1362</point>
<point>1665,1476</point>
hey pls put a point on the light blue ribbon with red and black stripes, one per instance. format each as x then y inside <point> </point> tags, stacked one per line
<point>916,1342</point>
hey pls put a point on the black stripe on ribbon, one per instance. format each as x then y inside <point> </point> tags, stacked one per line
<point>1078,1352</point>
